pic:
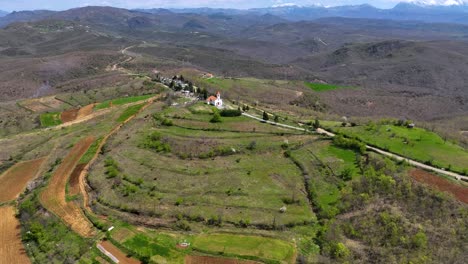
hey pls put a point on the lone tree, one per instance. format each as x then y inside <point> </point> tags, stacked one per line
<point>216,118</point>
<point>204,93</point>
<point>265,116</point>
<point>276,119</point>
<point>316,123</point>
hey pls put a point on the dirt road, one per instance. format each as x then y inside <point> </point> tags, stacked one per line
<point>374,149</point>
<point>400,158</point>
<point>274,123</point>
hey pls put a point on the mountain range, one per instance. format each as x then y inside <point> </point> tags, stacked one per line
<point>451,11</point>
<point>391,60</point>
<point>456,13</point>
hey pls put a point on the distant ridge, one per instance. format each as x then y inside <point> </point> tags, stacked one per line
<point>431,11</point>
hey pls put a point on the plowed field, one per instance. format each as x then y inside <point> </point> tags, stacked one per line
<point>53,196</point>
<point>11,248</point>
<point>123,259</point>
<point>441,184</point>
<point>14,180</point>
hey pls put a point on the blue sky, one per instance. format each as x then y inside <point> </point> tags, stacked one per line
<point>15,5</point>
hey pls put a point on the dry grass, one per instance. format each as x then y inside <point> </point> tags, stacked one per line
<point>53,197</point>
<point>13,181</point>
<point>11,247</point>
<point>41,104</point>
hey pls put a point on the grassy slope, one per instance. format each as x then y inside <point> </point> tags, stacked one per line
<point>325,162</point>
<point>50,119</point>
<point>417,143</point>
<point>90,152</point>
<point>323,87</point>
<point>264,248</point>
<point>130,111</point>
<point>124,100</point>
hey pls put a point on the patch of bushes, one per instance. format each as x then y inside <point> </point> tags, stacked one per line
<point>230,113</point>
<point>353,144</point>
<point>217,151</point>
<point>111,168</point>
<point>47,238</point>
<point>216,118</point>
<point>155,142</point>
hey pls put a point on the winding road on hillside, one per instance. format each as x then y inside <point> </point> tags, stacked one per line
<point>115,66</point>
<point>413,163</point>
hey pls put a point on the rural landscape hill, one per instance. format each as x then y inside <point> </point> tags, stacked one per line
<point>271,135</point>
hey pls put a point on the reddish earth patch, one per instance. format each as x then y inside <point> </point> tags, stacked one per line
<point>441,184</point>
<point>74,182</point>
<point>74,114</point>
<point>11,247</point>
<point>215,260</point>
<point>116,252</point>
<point>14,180</point>
<point>69,115</point>
<point>53,196</point>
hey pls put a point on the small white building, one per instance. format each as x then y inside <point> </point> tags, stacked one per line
<point>216,101</point>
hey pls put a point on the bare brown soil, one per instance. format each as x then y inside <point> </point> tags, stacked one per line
<point>14,180</point>
<point>74,182</point>
<point>11,247</point>
<point>441,184</point>
<point>85,111</point>
<point>115,251</point>
<point>53,196</point>
<point>69,115</point>
<point>215,260</point>
<point>74,114</point>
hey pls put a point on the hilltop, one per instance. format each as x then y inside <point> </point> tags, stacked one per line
<point>339,140</point>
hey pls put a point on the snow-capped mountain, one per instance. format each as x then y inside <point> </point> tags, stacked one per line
<point>439,2</point>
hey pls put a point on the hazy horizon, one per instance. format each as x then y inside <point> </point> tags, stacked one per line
<point>58,5</point>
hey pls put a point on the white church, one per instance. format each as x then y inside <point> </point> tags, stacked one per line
<point>216,101</point>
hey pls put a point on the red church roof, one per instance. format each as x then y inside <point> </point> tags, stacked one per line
<point>211,98</point>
